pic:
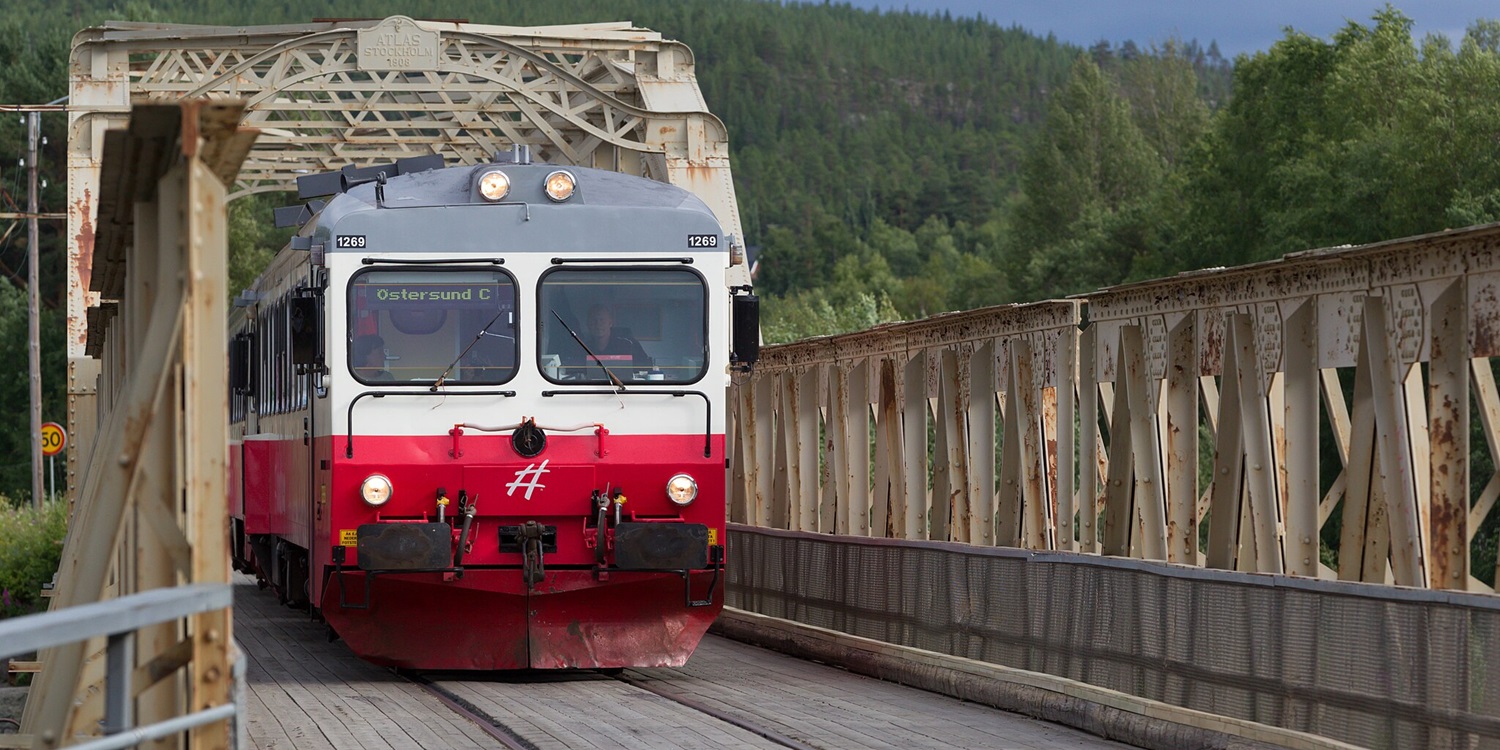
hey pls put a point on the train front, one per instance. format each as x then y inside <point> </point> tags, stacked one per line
<point>523,459</point>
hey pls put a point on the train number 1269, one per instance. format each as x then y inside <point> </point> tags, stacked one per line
<point>351,240</point>
<point>703,240</point>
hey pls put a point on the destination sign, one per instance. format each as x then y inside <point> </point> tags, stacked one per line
<point>465,295</point>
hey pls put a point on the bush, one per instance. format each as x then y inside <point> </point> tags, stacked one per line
<point>30,550</point>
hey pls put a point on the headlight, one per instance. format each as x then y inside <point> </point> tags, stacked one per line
<point>376,489</point>
<point>560,185</point>
<point>493,185</point>
<point>682,489</point>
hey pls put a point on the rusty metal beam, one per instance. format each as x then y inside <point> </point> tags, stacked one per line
<point>1088,428</point>
<point>979,522</point>
<point>150,511</point>
<point>1297,448</point>
<point>1448,396</point>
<point>911,510</point>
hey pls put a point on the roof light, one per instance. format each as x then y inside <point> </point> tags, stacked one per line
<point>493,185</point>
<point>560,185</point>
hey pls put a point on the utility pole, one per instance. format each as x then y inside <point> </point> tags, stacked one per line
<point>34,299</point>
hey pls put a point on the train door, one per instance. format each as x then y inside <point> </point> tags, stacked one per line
<point>307,334</point>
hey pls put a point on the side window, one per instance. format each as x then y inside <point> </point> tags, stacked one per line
<point>637,325</point>
<point>263,400</point>
<point>280,363</point>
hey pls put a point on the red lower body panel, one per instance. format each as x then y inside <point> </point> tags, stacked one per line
<point>488,620</point>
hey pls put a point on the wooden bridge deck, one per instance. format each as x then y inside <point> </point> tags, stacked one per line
<point>307,693</point>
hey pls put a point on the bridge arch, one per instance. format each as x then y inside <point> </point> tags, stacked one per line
<point>330,94</point>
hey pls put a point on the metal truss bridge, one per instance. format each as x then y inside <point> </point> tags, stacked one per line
<point>1248,500</point>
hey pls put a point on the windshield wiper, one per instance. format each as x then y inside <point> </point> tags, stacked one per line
<point>590,352</point>
<point>462,354</point>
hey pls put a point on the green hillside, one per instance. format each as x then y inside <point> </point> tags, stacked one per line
<point>898,165</point>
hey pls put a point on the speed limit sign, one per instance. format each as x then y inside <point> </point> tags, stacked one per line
<point>54,439</point>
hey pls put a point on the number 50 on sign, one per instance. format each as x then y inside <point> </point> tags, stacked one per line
<point>54,439</point>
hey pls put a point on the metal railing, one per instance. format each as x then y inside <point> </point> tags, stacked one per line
<point>120,621</point>
<point>1375,666</point>
<point>1308,416</point>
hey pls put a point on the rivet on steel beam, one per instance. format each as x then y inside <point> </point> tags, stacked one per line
<point>211,674</point>
<point>212,636</point>
<point>124,459</point>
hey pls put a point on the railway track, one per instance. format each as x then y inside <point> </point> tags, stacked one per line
<point>515,739</point>
<point>732,695</point>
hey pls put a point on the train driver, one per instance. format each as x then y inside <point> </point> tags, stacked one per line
<point>611,344</point>
<point>369,358</point>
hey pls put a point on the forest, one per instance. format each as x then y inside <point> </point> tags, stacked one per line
<point>896,165</point>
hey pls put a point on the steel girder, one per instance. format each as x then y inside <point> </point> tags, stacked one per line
<point>327,95</point>
<point>149,510</point>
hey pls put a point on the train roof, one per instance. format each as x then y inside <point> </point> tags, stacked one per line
<point>454,186</point>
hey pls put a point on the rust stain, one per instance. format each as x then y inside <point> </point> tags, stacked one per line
<point>1211,346</point>
<point>1449,513</point>
<point>700,174</point>
<point>190,125</point>
<point>84,242</point>
<point>887,385</point>
<point>1486,322</point>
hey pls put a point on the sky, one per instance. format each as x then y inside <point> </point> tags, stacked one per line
<point>1238,27</point>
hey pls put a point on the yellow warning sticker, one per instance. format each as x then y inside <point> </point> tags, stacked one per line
<point>348,537</point>
<point>713,535</point>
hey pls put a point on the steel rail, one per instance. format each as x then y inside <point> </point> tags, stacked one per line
<point>486,723</point>
<point>724,716</point>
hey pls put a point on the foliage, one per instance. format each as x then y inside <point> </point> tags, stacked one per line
<point>807,314</point>
<point>253,241</point>
<point>1366,137</point>
<point>839,117</point>
<point>15,380</point>
<point>1080,182</point>
<point>30,551</point>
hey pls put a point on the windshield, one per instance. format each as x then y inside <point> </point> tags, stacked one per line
<point>641,325</point>
<point>411,325</point>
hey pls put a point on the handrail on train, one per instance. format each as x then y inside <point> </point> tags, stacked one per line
<point>119,620</point>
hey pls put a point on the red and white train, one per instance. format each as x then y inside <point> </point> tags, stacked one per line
<point>478,415</point>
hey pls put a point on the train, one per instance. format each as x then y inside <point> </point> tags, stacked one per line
<point>477,413</point>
